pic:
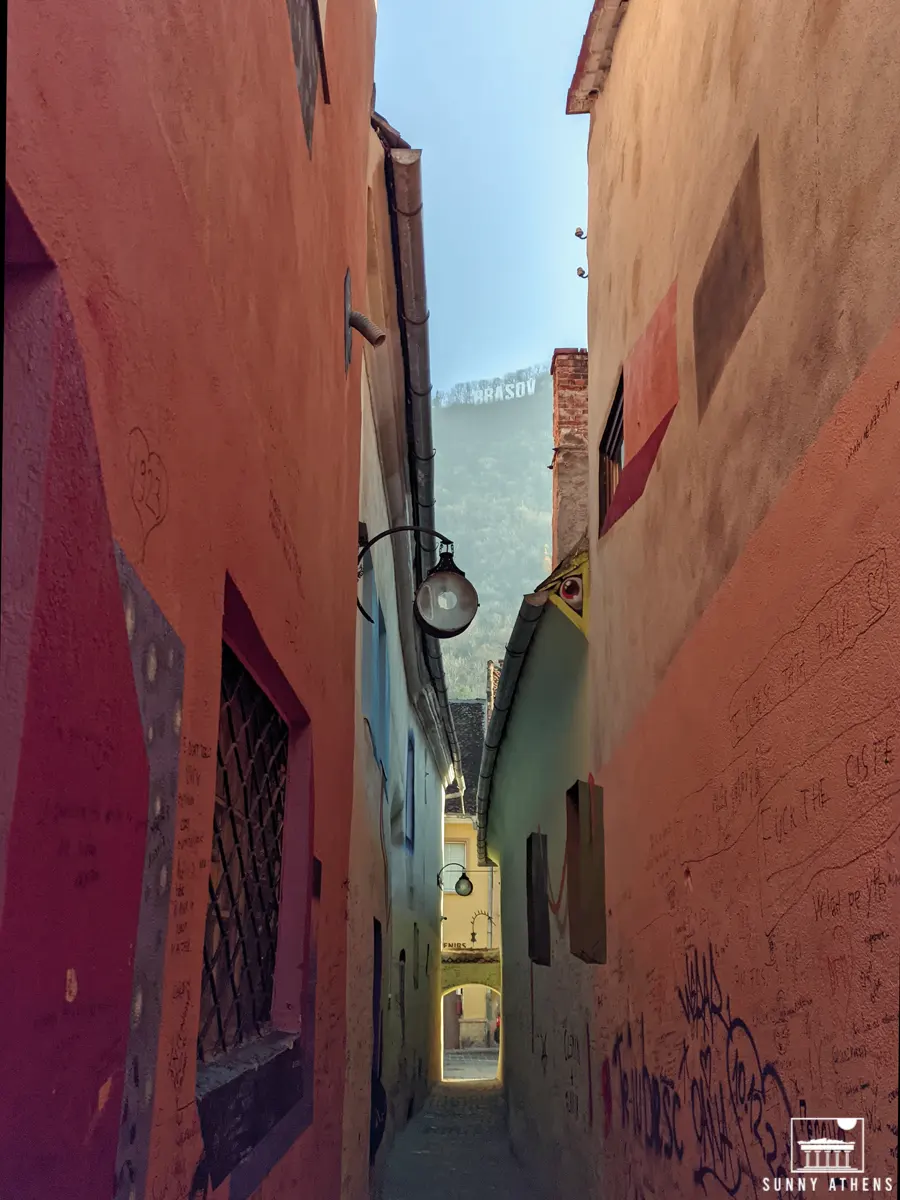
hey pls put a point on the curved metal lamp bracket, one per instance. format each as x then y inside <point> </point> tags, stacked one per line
<point>364,550</point>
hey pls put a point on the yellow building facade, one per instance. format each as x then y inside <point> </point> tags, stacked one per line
<point>470,924</point>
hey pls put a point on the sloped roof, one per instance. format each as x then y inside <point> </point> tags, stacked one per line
<point>530,613</point>
<point>469,721</point>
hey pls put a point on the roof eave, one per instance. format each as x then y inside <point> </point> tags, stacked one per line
<point>595,56</point>
<point>530,613</point>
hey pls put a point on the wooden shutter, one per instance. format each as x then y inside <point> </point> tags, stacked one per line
<point>586,869</point>
<point>536,898</point>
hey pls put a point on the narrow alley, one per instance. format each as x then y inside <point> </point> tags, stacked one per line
<point>457,1148</point>
<point>450,596</point>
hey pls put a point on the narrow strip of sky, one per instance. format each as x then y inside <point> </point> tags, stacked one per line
<point>480,87</point>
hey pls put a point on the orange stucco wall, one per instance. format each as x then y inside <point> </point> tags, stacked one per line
<point>159,153</point>
<point>752,820</point>
<point>744,644</point>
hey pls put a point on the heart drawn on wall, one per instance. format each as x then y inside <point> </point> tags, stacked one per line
<point>149,484</point>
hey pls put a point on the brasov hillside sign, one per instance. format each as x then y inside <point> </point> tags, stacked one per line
<point>512,386</point>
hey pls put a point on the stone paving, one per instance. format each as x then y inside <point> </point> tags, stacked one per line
<point>457,1148</point>
<point>475,1063</point>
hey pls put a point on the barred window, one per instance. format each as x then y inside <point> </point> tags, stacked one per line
<point>245,865</point>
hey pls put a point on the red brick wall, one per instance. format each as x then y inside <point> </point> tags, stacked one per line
<point>569,369</point>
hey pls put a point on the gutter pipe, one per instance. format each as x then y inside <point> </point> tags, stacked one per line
<point>530,612</point>
<point>403,178</point>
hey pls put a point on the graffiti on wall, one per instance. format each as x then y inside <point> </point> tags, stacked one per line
<point>725,1111</point>
<point>565,1057</point>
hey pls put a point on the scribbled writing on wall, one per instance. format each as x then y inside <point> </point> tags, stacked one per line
<point>833,806</point>
<point>739,1106</point>
<point>726,1111</point>
<point>829,629</point>
<point>149,485</point>
<point>572,1061</point>
<point>649,1104</point>
<point>283,536</point>
<point>880,408</point>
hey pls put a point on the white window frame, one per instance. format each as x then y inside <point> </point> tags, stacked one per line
<point>449,878</point>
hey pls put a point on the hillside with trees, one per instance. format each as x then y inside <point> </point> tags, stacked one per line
<point>493,497</point>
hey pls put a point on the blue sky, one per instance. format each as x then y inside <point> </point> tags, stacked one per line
<point>480,87</point>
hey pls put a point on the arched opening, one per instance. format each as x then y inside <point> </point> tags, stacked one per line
<point>470,1032</point>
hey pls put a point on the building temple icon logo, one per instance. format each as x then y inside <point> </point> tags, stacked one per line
<point>828,1146</point>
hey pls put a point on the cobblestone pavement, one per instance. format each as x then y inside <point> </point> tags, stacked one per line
<point>457,1148</point>
<point>476,1063</point>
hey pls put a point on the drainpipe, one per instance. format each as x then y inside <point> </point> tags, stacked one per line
<point>404,191</point>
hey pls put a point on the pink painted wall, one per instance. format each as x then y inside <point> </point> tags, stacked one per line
<point>753,841</point>
<point>201,250</point>
<point>752,891</point>
<point>75,815</point>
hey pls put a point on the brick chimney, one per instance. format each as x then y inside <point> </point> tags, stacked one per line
<point>569,369</point>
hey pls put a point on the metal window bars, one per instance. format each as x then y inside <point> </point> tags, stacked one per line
<point>245,865</point>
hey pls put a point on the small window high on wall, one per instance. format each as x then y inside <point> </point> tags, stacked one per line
<point>612,453</point>
<point>455,862</point>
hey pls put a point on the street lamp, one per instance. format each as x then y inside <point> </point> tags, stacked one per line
<point>445,602</point>
<point>464,884</point>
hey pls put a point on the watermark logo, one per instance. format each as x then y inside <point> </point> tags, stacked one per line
<point>828,1154</point>
<point>828,1146</point>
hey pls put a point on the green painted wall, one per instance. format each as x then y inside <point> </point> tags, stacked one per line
<point>457,975</point>
<point>546,1059</point>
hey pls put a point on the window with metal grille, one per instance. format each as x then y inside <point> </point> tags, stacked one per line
<point>245,865</point>
<point>612,453</point>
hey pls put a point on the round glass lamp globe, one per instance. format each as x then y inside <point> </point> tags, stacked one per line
<point>464,885</point>
<point>446,602</point>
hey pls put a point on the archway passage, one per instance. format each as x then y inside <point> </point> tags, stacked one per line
<point>471,1030</point>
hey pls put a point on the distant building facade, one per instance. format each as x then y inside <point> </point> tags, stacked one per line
<point>470,923</point>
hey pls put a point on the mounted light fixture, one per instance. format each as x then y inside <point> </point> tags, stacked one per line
<point>579,233</point>
<point>581,273</point>
<point>464,884</point>
<point>445,602</point>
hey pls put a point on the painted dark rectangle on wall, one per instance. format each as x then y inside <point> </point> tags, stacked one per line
<point>586,867</point>
<point>732,283</point>
<point>538,907</point>
<point>306,59</point>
